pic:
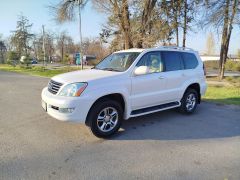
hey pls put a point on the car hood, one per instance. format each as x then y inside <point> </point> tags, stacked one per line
<point>83,76</point>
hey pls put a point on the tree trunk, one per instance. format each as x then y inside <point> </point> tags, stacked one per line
<point>228,35</point>
<point>122,13</point>
<point>223,51</point>
<point>185,23</point>
<point>62,49</point>
<point>126,25</point>
<point>176,23</point>
<point>177,35</point>
<point>146,15</point>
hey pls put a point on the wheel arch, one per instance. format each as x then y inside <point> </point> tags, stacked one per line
<point>195,86</point>
<point>113,96</point>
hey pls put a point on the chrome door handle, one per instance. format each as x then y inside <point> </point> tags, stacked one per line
<point>161,77</point>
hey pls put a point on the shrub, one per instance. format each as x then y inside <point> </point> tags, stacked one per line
<point>232,65</point>
<point>23,66</point>
<point>12,63</point>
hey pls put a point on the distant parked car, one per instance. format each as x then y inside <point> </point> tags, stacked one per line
<point>34,61</point>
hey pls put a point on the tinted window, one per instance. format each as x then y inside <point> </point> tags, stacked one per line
<point>153,61</point>
<point>172,60</point>
<point>190,60</point>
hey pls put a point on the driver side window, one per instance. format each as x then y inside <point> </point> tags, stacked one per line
<point>153,61</point>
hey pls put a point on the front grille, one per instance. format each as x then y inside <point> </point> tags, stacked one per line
<point>54,86</point>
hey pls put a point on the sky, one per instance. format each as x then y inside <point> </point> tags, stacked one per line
<point>92,21</point>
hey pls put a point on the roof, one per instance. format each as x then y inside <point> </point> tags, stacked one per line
<point>131,50</point>
<point>175,48</point>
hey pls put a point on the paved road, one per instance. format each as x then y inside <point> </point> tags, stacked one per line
<point>164,145</point>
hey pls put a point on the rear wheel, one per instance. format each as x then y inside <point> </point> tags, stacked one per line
<point>189,101</point>
<point>105,118</point>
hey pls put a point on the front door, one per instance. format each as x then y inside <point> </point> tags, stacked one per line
<point>149,89</point>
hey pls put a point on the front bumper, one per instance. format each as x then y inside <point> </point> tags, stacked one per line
<point>53,102</point>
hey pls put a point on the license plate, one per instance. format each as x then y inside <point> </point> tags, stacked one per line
<point>44,105</point>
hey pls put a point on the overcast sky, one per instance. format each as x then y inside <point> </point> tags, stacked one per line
<point>92,21</point>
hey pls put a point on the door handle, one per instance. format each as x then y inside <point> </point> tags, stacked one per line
<point>161,77</point>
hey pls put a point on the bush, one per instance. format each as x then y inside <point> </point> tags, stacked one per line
<point>23,66</point>
<point>12,63</point>
<point>232,65</point>
<point>12,56</point>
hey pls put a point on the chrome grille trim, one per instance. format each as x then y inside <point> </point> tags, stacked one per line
<point>54,86</point>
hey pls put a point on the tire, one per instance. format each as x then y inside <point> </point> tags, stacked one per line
<point>189,101</point>
<point>105,118</point>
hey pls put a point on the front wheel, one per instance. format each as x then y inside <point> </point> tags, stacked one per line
<point>189,101</point>
<point>105,118</point>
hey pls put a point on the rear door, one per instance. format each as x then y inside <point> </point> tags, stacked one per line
<point>174,73</point>
<point>190,64</point>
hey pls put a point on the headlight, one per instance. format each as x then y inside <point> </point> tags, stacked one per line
<point>72,90</point>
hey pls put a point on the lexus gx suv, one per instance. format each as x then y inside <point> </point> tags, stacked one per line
<point>127,84</point>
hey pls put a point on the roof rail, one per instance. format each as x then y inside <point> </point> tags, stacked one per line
<point>176,47</point>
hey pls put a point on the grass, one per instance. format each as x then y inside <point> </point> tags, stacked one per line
<point>226,92</point>
<point>223,95</point>
<point>37,71</point>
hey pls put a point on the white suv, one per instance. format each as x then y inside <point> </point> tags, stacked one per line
<point>127,84</point>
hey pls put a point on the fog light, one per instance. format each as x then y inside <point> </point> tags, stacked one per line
<point>66,110</point>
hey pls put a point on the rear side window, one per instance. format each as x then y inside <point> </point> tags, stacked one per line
<point>172,60</point>
<point>190,60</point>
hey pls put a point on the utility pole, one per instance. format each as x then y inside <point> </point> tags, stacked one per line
<point>43,46</point>
<point>80,31</point>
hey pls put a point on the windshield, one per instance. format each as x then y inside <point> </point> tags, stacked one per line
<point>117,61</point>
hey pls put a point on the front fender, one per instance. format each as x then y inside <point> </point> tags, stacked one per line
<point>96,94</point>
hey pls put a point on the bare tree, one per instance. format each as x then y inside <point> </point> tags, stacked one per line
<point>147,20</point>
<point>65,45</point>
<point>148,6</point>
<point>49,45</point>
<point>95,47</point>
<point>119,12</point>
<point>61,43</point>
<point>222,14</point>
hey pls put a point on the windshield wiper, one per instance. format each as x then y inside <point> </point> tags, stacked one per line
<point>110,69</point>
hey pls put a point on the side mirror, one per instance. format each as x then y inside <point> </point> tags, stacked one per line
<point>141,70</point>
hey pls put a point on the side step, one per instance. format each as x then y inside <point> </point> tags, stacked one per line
<point>155,108</point>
